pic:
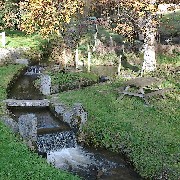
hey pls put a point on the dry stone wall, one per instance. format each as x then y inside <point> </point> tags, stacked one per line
<point>13,55</point>
<point>75,116</point>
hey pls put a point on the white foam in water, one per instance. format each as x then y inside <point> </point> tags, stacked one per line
<point>69,158</point>
<point>33,70</point>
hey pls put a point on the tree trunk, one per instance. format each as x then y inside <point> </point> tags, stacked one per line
<point>149,63</point>
<point>77,58</point>
<point>95,38</point>
<point>89,59</point>
<point>119,65</point>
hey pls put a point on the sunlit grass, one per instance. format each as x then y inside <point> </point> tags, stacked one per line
<point>149,136</point>
<point>17,39</point>
<point>18,162</point>
<point>6,74</point>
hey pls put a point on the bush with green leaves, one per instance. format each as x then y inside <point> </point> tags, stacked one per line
<point>71,80</point>
<point>9,14</point>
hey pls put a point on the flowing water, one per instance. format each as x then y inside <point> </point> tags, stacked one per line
<point>58,141</point>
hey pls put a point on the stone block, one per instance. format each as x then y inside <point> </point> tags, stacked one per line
<point>59,109</point>
<point>28,127</point>
<point>45,86</point>
<point>22,61</point>
<point>9,122</point>
<point>84,117</point>
<point>78,109</point>
<point>68,117</point>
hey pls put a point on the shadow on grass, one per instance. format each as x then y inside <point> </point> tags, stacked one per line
<point>15,33</point>
<point>124,61</point>
<point>8,43</point>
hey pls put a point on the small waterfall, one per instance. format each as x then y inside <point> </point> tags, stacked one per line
<point>70,158</point>
<point>77,160</point>
<point>64,153</point>
<point>34,70</point>
<point>56,141</point>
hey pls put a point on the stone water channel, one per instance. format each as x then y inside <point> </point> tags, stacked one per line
<point>56,139</point>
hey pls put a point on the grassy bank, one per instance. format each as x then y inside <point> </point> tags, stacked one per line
<point>149,136</point>
<point>17,161</point>
<point>72,80</point>
<point>6,74</point>
<point>16,39</point>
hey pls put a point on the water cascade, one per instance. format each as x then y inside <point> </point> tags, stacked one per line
<point>57,140</point>
<point>32,70</point>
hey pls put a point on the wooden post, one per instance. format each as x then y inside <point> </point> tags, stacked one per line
<point>119,65</point>
<point>95,38</point>
<point>123,46</point>
<point>65,58</point>
<point>77,58</point>
<point>111,43</point>
<point>89,59</point>
<point>3,39</point>
<point>118,13</point>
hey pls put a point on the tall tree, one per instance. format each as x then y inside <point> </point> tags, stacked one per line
<point>132,17</point>
<point>48,16</point>
<point>9,14</point>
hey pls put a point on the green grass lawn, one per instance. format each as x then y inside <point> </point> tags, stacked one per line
<point>6,74</point>
<point>17,162</point>
<point>17,39</point>
<point>149,136</point>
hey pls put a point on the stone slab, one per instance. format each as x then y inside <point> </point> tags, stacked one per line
<point>27,103</point>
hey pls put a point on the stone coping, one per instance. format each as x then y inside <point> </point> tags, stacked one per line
<point>27,103</point>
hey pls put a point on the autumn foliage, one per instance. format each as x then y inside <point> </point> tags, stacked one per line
<point>48,16</point>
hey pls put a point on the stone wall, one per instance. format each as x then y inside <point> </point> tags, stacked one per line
<point>9,122</point>
<point>10,55</point>
<point>45,84</point>
<point>27,125</point>
<point>75,116</point>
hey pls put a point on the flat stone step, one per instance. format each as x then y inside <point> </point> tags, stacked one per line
<point>27,103</point>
